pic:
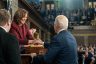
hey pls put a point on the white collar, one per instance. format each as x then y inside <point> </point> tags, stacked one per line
<point>3,28</point>
<point>60,31</point>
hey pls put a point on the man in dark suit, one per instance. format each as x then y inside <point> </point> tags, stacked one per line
<point>63,47</point>
<point>9,47</point>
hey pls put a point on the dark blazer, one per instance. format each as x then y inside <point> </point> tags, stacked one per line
<point>61,50</point>
<point>9,48</point>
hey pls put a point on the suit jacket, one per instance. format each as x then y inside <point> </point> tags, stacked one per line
<point>61,50</point>
<point>9,48</point>
<point>21,32</point>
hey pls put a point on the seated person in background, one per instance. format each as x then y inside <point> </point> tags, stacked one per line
<point>63,47</point>
<point>20,29</point>
<point>89,59</point>
<point>9,45</point>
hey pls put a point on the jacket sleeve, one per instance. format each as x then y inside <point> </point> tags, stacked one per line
<point>53,50</point>
<point>48,58</point>
<point>46,44</point>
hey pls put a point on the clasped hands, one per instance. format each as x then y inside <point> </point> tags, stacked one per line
<point>36,42</point>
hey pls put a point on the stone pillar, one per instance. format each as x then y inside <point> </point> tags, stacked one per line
<point>14,6</point>
<point>43,5</point>
<point>85,4</point>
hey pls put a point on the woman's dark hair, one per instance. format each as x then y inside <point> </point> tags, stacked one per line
<point>19,14</point>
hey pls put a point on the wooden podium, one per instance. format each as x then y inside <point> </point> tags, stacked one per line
<point>26,58</point>
<point>33,49</point>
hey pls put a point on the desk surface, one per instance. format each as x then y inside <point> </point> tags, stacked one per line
<point>31,46</point>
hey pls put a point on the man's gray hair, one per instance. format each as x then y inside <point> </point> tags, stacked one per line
<point>4,17</point>
<point>62,21</point>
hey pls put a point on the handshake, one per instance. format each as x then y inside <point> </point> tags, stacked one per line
<point>35,35</point>
<point>36,42</point>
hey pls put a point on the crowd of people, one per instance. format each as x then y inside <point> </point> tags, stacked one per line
<point>76,17</point>
<point>62,48</point>
<point>87,54</point>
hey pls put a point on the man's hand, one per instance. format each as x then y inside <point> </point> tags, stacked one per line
<point>38,41</point>
<point>30,41</point>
